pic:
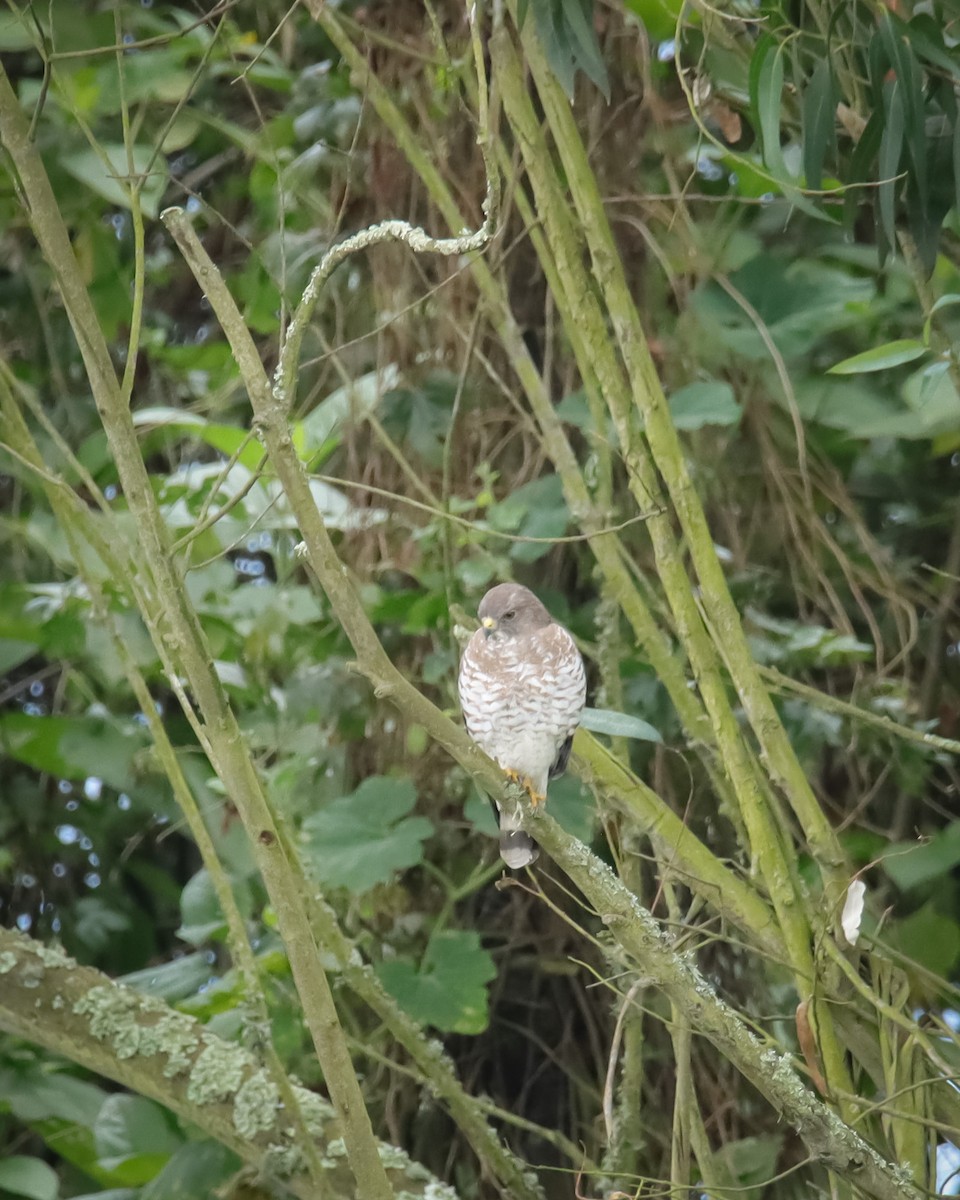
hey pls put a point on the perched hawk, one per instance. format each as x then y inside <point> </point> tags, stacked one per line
<point>522,690</point>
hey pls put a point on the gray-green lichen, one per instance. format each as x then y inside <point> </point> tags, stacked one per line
<point>216,1074</point>
<point>52,956</point>
<point>174,1036</point>
<point>282,1161</point>
<point>113,1018</point>
<point>256,1104</point>
<point>8,960</point>
<point>316,1112</point>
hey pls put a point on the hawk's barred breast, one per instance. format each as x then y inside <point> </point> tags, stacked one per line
<point>522,690</point>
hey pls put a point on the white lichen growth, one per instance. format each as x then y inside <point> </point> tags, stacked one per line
<point>52,956</point>
<point>217,1074</point>
<point>256,1104</point>
<point>280,1161</point>
<point>113,1018</point>
<point>174,1036</point>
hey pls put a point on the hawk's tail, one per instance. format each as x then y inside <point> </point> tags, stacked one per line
<point>517,847</point>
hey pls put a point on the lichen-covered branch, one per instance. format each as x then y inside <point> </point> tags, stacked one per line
<point>140,1042</point>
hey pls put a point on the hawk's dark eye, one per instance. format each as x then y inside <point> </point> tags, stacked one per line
<point>508,616</point>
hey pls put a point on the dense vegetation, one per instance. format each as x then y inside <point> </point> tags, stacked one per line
<point>245,539</point>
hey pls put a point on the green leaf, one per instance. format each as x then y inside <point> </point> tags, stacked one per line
<point>196,1169</point>
<point>360,840</point>
<point>479,811</point>
<point>318,434</point>
<point>535,510</point>
<point>40,1095</point>
<point>228,439</point>
<point>448,990</point>
<point>618,724</point>
<point>30,1177</point>
<point>174,980</point>
<point>587,55</point>
<point>710,402</point>
<point>880,358</point>
<point>200,914</point>
<point>891,145</point>
<point>571,804</point>
<point>909,79</point>
<point>659,17</point>
<point>913,864</point>
<point>109,179</point>
<point>134,1138</point>
<point>766,80</point>
<point>928,938</point>
<point>15,34</point>
<point>74,747</point>
<point>947,301</point>
<point>569,40</point>
<point>819,120</point>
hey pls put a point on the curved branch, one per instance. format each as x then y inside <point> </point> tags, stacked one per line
<point>140,1042</point>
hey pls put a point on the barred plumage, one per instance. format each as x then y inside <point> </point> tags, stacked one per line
<point>522,690</point>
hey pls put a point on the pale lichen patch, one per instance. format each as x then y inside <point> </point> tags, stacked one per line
<point>255,1108</point>
<point>113,1018</point>
<point>280,1162</point>
<point>8,960</point>
<point>174,1036</point>
<point>216,1074</point>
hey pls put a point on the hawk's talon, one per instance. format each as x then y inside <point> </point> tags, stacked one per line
<point>536,798</point>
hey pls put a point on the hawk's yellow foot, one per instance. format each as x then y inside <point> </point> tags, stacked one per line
<point>536,798</point>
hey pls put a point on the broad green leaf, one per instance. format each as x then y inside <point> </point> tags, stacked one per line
<point>38,1095</point>
<point>617,724</point>
<point>929,938</point>
<point>448,990</point>
<point>709,402</point>
<point>880,358</point>
<point>751,1163</point>
<point>360,840</point>
<point>108,179</point>
<point>15,33</point>
<point>913,864</point>
<point>479,810</point>
<point>74,747</point>
<point>174,980</point>
<point>321,430</point>
<point>196,1169</point>
<point>659,17</point>
<point>97,922</point>
<point>201,916</point>
<point>31,1177</point>
<point>571,803</point>
<point>13,653</point>
<point>228,439</point>
<point>134,1138</point>
<point>947,301</point>
<point>535,510</point>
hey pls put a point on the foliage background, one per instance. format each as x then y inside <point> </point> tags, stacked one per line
<point>781,185</point>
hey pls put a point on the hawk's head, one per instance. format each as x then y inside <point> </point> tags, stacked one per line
<point>509,610</point>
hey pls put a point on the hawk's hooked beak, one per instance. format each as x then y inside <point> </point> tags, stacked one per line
<point>489,625</point>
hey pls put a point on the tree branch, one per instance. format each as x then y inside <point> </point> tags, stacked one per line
<point>140,1042</point>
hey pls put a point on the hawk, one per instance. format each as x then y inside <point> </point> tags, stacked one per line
<point>522,690</point>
